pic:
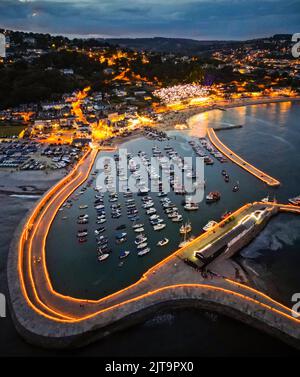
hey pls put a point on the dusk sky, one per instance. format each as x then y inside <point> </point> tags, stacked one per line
<point>197,19</point>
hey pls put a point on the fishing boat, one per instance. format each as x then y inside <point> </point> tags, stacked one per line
<point>163,242</point>
<point>82,233</point>
<point>144,251</point>
<point>124,254</point>
<point>209,225</point>
<point>213,196</point>
<point>101,221</point>
<point>185,228</point>
<point>159,226</point>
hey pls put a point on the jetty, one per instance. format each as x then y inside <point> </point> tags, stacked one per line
<point>270,181</point>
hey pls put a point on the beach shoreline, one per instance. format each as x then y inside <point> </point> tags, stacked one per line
<point>172,118</point>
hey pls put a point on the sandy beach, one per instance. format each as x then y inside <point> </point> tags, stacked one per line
<point>28,182</point>
<point>172,118</point>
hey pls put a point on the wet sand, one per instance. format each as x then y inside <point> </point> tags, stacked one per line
<point>28,182</point>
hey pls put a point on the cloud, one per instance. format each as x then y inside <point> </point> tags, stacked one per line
<point>210,19</point>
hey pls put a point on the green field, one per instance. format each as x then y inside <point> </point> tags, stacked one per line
<point>9,131</point>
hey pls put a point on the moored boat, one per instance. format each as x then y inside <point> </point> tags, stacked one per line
<point>295,201</point>
<point>124,254</point>
<point>209,225</point>
<point>186,228</point>
<point>163,242</point>
<point>213,196</point>
<point>144,251</point>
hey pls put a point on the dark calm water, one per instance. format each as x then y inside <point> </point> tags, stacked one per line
<point>270,139</point>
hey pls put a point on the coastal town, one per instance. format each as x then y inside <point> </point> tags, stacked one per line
<point>129,100</point>
<point>132,164</point>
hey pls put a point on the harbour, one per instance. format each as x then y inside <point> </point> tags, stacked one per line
<point>221,177</point>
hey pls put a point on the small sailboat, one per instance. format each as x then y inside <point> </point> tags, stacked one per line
<point>185,228</point>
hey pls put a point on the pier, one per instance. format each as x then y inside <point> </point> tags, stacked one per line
<point>270,181</point>
<point>49,318</point>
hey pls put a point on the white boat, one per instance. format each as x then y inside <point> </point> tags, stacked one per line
<point>266,199</point>
<point>153,217</point>
<point>103,257</point>
<point>172,215</point>
<point>209,225</point>
<point>163,242</point>
<point>142,245</point>
<point>84,206</point>
<point>159,226</point>
<point>295,201</point>
<point>135,226</point>
<point>191,206</point>
<point>177,219</point>
<point>144,252</point>
<point>139,230</point>
<point>151,211</point>
<point>148,205</point>
<point>140,239</point>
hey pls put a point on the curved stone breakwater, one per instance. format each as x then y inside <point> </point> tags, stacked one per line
<point>270,181</point>
<point>50,319</point>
